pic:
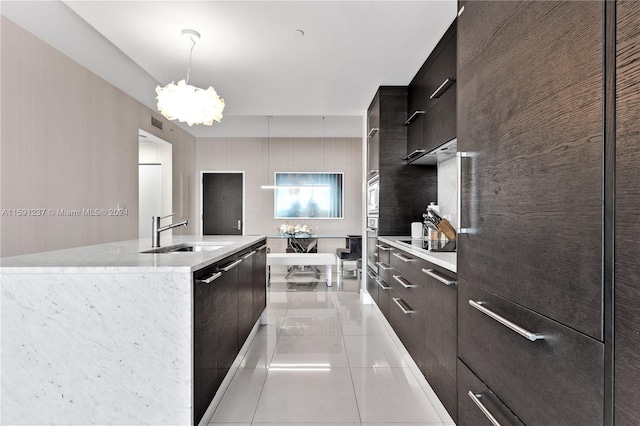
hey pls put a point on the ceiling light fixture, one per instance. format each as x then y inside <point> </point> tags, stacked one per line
<point>186,103</point>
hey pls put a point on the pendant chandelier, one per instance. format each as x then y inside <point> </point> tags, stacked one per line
<point>186,103</point>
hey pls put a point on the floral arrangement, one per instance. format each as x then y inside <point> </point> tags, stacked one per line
<point>297,230</point>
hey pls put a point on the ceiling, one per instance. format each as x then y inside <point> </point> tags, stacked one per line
<point>248,53</point>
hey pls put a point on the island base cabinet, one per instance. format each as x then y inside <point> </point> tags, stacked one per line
<point>555,379</point>
<point>477,405</point>
<point>259,282</point>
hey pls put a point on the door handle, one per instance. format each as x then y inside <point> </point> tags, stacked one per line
<point>239,227</point>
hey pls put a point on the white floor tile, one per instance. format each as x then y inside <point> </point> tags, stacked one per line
<point>300,351</point>
<point>239,402</point>
<point>362,324</point>
<point>308,396</point>
<point>312,324</point>
<point>261,350</point>
<point>376,351</point>
<point>391,395</point>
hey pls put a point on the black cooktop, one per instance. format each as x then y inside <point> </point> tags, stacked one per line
<point>432,245</point>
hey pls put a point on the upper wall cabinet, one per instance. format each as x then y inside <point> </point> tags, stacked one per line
<point>431,106</point>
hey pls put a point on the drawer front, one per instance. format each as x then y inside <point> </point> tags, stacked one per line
<point>408,265</point>
<point>441,315</point>
<point>384,297</point>
<point>555,380</point>
<point>372,284</point>
<point>408,324</point>
<point>477,408</point>
<point>383,252</point>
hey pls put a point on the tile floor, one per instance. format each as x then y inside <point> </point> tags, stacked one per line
<point>325,358</point>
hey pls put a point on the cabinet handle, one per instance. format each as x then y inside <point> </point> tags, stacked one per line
<point>433,274</point>
<point>382,285</point>
<point>371,275</point>
<point>475,397</point>
<point>413,117</point>
<point>403,258</point>
<point>404,282</point>
<point>230,266</point>
<point>372,131</point>
<point>383,266</point>
<point>460,155</point>
<point>383,248</point>
<point>443,88</point>
<point>521,331</point>
<point>415,153</point>
<point>261,248</point>
<point>401,302</point>
<point>211,278</point>
<point>248,255</point>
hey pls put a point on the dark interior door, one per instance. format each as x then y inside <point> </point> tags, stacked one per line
<point>222,203</point>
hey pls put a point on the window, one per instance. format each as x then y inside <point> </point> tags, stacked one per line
<point>309,196</point>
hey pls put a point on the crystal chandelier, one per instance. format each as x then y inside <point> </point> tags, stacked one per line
<point>190,104</point>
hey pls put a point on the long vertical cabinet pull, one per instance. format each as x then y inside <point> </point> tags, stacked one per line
<point>459,157</point>
<point>475,397</point>
<point>521,331</point>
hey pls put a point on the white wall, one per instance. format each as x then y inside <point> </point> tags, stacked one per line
<point>69,140</point>
<point>260,158</point>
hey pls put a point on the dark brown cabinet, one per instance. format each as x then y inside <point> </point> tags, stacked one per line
<point>404,191</point>
<point>477,405</point>
<point>223,309</point>
<point>245,294</point>
<point>627,216</point>
<point>431,105</point>
<point>530,125</point>
<point>441,328</point>
<point>259,293</point>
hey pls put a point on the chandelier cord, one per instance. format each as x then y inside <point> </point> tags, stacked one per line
<point>190,55</point>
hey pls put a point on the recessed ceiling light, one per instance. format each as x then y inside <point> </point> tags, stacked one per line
<point>297,34</point>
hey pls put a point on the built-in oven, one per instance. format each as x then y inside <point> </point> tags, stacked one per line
<point>373,197</point>
<point>372,241</point>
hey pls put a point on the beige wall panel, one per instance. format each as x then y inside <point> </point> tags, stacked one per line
<point>69,140</point>
<point>260,158</point>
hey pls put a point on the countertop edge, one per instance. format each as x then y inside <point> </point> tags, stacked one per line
<point>124,257</point>
<point>429,257</point>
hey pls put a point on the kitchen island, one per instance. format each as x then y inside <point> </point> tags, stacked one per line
<point>103,334</point>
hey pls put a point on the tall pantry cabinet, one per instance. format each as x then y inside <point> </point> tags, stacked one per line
<point>530,125</point>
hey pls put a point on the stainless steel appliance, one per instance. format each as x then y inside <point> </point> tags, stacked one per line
<point>372,241</point>
<point>373,192</point>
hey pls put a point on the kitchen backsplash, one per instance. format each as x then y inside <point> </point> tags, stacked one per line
<point>448,189</point>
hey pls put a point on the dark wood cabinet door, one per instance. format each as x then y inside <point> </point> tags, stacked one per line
<point>476,402</point>
<point>441,343</point>
<point>259,280</point>
<point>415,113</point>
<point>406,316</point>
<point>439,122</point>
<point>226,319</point>
<point>555,380</point>
<point>372,285</point>
<point>627,216</point>
<point>245,296</point>
<point>529,113</point>
<point>373,137</point>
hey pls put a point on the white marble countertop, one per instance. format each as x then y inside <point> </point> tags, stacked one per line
<point>447,260</point>
<point>126,256</point>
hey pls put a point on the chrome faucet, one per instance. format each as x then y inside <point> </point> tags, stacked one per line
<point>156,229</point>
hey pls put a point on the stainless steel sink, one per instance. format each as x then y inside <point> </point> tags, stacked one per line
<point>186,248</point>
